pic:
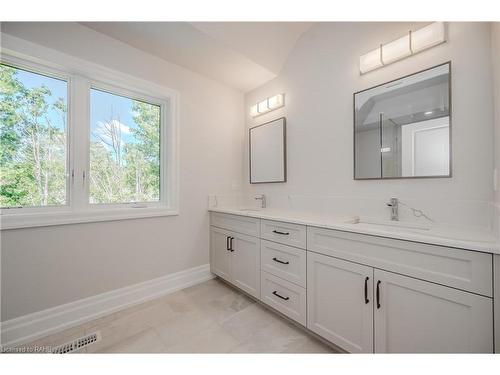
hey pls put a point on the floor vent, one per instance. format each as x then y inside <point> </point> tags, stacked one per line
<point>77,344</point>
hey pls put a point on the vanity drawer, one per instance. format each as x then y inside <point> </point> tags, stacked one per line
<point>285,233</point>
<point>283,261</point>
<point>283,296</point>
<point>461,269</point>
<point>236,223</point>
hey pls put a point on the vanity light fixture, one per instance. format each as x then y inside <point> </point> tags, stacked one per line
<point>396,50</point>
<point>267,105</point>
<point>253,111</point>
<point>262,107</point>
<point>427,37</point>
<point>410,44</point>
<point>371,60</point>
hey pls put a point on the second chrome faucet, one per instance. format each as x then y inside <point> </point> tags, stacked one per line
<point>394,205</point>
<point>262,199</point>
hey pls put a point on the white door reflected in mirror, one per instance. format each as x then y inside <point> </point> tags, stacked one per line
<point>268,152</point>
<point>402,128</point>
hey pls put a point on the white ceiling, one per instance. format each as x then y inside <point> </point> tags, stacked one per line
<point>243,55</point>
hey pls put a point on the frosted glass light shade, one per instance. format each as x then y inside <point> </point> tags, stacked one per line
<point>427,37</point>
<point>267,105</point>
<point>275,101</point>
<point>370,61</point>
<point>410,44</point>
<point>253,110</point>
<point>262,106</point>
<point>396,50</point>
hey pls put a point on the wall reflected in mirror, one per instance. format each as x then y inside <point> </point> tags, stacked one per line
<point>268,152</point>
<point>402,129</point>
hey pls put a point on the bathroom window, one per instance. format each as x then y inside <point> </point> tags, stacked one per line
<point>124,149</point>
<point>93,146</point>
<point>33,136</point>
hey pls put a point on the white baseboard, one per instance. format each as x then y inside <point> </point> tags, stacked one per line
<point>30,327</point>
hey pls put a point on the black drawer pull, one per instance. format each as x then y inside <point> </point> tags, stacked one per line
<point>277,295</point>
<point>283,233</point>
<point>366,290</point>
<point>280,261</point>
<point>231,244</point>
<point>378,294</point>
<point>227,243</point>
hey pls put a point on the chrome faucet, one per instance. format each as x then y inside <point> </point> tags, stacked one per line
<point>394,205</point>
<point>262,199</point>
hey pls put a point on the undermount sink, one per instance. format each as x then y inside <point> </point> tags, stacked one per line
<point>390,226</point>
<point>250,209</point>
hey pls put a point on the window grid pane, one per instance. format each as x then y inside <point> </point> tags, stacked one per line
<point>33,136</point>
<point>124,149</point>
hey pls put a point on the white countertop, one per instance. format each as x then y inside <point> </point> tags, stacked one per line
<point>462,238</point>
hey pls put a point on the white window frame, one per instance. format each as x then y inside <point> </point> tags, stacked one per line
<point>33,67</point>
<point>163,104</point>
<point>81,76</point>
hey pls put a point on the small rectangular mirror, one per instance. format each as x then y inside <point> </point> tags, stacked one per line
<point>268,152</point>
<point>402,129</point>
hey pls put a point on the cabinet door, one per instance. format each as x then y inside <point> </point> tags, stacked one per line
<point>337,307</point>
<point>220,256</point>
<point>245,269</point>
<point>414,316</point>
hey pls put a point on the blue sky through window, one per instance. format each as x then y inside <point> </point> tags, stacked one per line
<point>105,107</point>
<point>57,87</point>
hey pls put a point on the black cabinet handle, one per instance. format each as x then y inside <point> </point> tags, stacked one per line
<point>231,244</point>
<point>378,294</point>
<point>277,295</point>
<point>366,290</point>
<point>283,233</point>
<point>227,243</point>
<point>280,261</point>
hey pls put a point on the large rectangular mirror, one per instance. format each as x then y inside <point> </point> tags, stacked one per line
<point>268,152</point>
<point>402,129</point>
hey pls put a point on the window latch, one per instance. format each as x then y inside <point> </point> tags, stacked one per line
<point>138,205</point>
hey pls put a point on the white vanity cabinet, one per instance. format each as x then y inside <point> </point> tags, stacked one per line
<point>340,302</point>
<point>415,316</point>
<point>245,263</point>
<point>235,257</point>
<point>284,296</point>
<point>461,269</point>
<point>286,262</point>
<point>285,233</point>
<point>363,293</point>
<point>355,306</point>
<point>220,255</point>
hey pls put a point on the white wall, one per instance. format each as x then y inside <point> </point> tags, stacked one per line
<point>45,267</point>
<point>319,79</point>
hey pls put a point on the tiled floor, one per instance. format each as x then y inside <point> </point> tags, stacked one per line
<point>210,317</point>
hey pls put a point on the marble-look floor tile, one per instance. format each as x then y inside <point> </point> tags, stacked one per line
<point>126,324</point>
<point>211,317</point>
<point>274,338</point>
<point>309,345</point>
<point>210,340</point>
<point>147,341</point>
<point>248,321</point>
<point>210,289</point>
<point>221,302</point>
<point>184,327</point>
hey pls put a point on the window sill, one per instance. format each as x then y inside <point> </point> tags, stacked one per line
<point>29,220</point>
